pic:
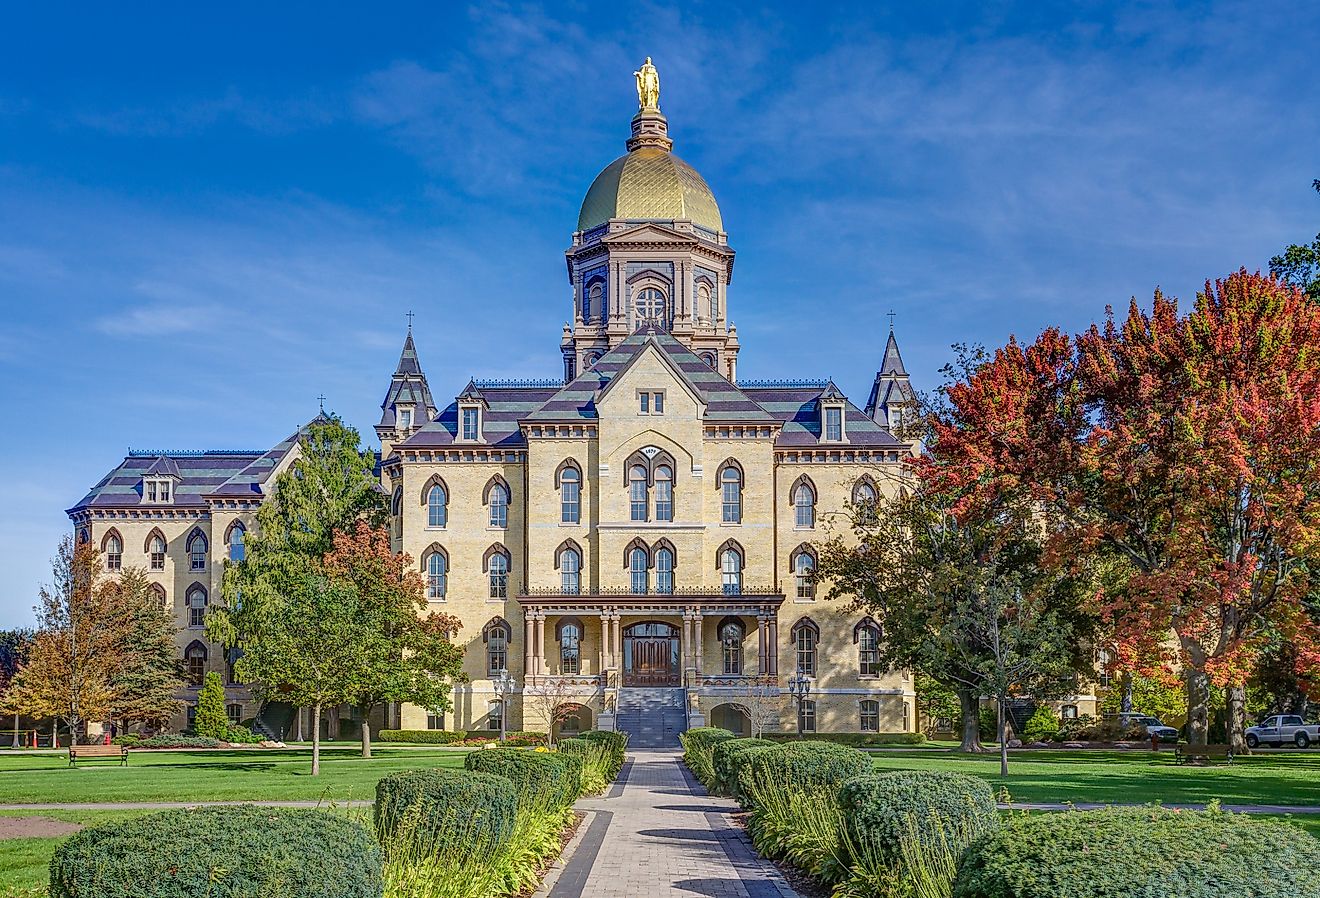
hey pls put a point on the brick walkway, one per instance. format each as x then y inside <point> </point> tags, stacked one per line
<point>661,834</point>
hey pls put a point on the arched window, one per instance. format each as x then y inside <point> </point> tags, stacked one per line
<point>706,302</point>
<point>807,716</point>
<point>437,575</point>
<point>499,506</point>
<point>197,606</point>
<point>595,295</point>
<point>637,498</point>
<point>570,496</point>
<point>396,502</point>
<point>570,571</point>
<point>437,506</point>
<point>639,575</point>
<point>867,636</point>
<point>731,632</point>
<point>731,493</point>
<point>804,565</point>
<point>113,547</point>
<point>731,571</point>
<point>805,635</point>
<point>570,646</point>
<point>496,635</point>
<point>592,359</point>
<point>195,660</point>
<point>499,576</point>
<point>237,543</point>
<point>158,595</point>
<point>197,552</point>
<point>156,553</point>
<point>709,359</point>
<point>863,493</point>
<point>651,308</point>
<point>804,505</point>
<point>664,493</point>
<point>664,571</point>
<point>870,716</point>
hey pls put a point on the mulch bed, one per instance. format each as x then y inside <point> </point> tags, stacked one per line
<point>35,827</point>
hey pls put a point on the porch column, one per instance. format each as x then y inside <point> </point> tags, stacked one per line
<point>540,644</point>
<point>774,645</point>
<point>685,646</point>
<point>528,648</point>
<point>604,642</point>
<point>700,641</point>
<point>618,642</point>
<point>760,645</point>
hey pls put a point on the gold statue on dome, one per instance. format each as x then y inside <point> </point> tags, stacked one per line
<point>648,86</point>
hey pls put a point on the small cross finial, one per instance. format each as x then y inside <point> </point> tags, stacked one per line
<point>410,318</point>
<point>321,399</point>
<point>891,314</point>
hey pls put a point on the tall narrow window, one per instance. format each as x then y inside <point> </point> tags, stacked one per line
<point>834,423</point>
<point>158,595</point>
<point>157,553</point>
<point>803,567</point>
<point>804,640</point>
<point>595,293</point>
<point>499,506</point>
<point>570,497</point>
<point>664,493</point>
<point>197,553</point>
<point>435,719</point>
<point>804,506</point>
<point>114,553</point>
<point>731,572</point>
<point>195,657</point>
<point>704,309</point>
<point>870,722</point>
<point>570,572</point>
<point>639,575</point>
<point>637,498</point>
<point>405,419</point>
<point>471,421</point>
<point>570,646</point>
<point>664,572</point>
<point>495,715</point>
<point>437,506</point>
<point>731,484</point>
<point>499,576</point>
<point>237,544</point>
<point>196,607</point>
<point>497,646</point>
<point>437,576</point>
<point>864,503</point>
<point>807,716</point>
<point>868,651</point>
<point>731,640</point>
<point>644,403</point>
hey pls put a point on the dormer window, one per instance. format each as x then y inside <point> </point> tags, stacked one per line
<point>471,423</point>
<point>158,490</point>
<point>833,423</point>
<point>405,419</point>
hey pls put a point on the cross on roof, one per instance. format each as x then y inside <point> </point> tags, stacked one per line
<point>891,314</point>
<point>321,399</point>
<point>410,318</point>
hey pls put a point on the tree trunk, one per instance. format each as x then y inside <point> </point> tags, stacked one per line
<point>299,713</point>
<point>1125,698</point>
<point>1198,708</point>
<point>1003,739</point>
<point>316,739</point>
<point>971,722</point>
<point>366,731</point>
<point>16,742</point>
<point>1236,699</point>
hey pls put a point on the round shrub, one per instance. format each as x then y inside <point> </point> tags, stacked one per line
<point>698,743</point>
<point>540,778</point>
<point>1121,853</point>
<point>1041,726</point>
<point>220,852</point>
<point>421,808</point>
<point>726,759</point>
<point>429,737</point>
<point>803,765</point>
<point>939,809</point>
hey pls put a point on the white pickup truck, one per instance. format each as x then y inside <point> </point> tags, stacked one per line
<point>1281,728</point>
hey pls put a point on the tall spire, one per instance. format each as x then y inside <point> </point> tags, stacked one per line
<point>408,404</point>
<point>892,362</point>
<point>892,400</point>
<point>408,363</point>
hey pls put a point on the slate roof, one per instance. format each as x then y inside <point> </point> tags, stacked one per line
<point>504,408</point>
<point>407,386</point>
<point>799,410</point>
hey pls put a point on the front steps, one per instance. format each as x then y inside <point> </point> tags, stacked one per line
<point>651,716</point>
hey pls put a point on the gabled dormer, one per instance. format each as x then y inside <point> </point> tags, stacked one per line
<point>160,481</point>
<point>833,420</point>
<point>471,412</point>
<point>893,402</point>
<point>408,405</point>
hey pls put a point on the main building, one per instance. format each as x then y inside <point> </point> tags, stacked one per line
<point>634,539</point>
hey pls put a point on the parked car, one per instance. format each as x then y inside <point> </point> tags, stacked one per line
<point>1152,726</point>
<point>1281,728</point>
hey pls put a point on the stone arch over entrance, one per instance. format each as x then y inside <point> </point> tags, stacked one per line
<point>732,717</point>
<point>570,719</point>
<point>650,654</point>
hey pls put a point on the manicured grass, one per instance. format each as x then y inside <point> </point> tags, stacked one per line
<point>25,863</point>
<point>211,776</point>
<point>1130,777</point>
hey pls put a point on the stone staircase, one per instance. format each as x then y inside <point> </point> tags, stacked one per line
<point>651,716</point>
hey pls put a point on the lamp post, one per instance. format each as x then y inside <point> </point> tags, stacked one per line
<point>799,686</point>
<point>503,683</point>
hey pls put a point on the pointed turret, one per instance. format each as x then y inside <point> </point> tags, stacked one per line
<point>408,404</point>
<point>892,399</point>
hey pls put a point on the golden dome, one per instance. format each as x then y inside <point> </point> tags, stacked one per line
<point>649,183</point>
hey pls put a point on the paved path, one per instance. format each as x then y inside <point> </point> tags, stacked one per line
<point>656,833</point>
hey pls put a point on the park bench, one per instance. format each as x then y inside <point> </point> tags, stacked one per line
<point>1186,754</point>
<point>91,752</point>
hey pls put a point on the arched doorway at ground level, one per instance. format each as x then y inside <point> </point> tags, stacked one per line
<point>731,717</point>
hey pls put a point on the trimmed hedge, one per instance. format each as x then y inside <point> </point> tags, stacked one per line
<point>220,852</point>
<point>858,740</point>
<point>941,809</point>
<point>429,737</point>
<point>803,765</point>
<point>538,777</point>
<point>698,743</point>
<point>616,742</point>
<point>1121,853</point>
<point>727,759</point>
<point>513,737</point>
<point>423,806</point>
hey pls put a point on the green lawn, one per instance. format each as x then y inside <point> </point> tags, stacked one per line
<point>25,863</point>
<point>211,776</point>
<point>1132,777</point>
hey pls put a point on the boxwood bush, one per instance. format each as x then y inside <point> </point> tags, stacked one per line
<point>420,807</point>
<point>430,737</point>
<point>616,743</point>
<point>540,778</point>
<point>727,758</point>
<point>1121,853</point>
<point>220,852</point>
<point>804,766</point>
<point>858,740</point>
<point>938,809</point>
<point>698,743</point>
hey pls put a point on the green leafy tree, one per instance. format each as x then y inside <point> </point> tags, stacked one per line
<point>145,690</point>
<point>212,719</point>
<point>1162,697</point>
<point>14,646</point>
<point>934,700</point>
<point>1299,264</point>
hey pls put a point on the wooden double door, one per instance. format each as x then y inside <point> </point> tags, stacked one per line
<point>650,655</point>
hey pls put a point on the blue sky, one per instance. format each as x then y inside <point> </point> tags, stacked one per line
<point>208,219</point>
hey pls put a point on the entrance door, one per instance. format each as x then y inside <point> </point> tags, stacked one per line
<point>650,655</point>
